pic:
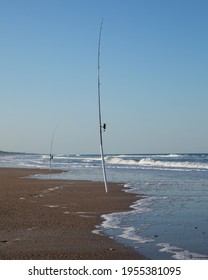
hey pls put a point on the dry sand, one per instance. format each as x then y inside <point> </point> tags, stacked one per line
<point>54,219</point>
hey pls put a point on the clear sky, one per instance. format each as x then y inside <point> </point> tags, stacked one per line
<point>154,75</point>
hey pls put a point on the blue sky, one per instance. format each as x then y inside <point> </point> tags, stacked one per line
<point>154,58</point>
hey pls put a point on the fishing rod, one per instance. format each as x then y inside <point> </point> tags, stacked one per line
<point>51,155</point>
<point>102,126</point>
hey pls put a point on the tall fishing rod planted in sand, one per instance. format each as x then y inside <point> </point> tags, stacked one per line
<point>102,126</point>
<point>51,155</point>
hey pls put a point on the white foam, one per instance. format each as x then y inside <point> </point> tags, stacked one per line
<point>130,234</point>
<point>150,162</point>
<point>97,231</point>
<point>111,221</point>
<point>143,205</point>
<point>173,155</point>
<point>119,160</point>
<point>172,164</point>
<point>170,156</point>
<point>45,156</point>
<point>179,253</point>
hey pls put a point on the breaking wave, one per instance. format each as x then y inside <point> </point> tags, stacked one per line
<point>171,161</point>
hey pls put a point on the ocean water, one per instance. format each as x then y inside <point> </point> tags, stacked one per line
<point>171,219</point>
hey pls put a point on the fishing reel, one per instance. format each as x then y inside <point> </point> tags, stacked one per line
<point>104,127</point>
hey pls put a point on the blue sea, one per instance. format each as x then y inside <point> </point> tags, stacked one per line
<point>171,219</point>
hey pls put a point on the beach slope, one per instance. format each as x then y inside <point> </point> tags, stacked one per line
<point>54,219</point>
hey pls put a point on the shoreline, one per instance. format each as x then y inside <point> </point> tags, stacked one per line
<point>54,219</point>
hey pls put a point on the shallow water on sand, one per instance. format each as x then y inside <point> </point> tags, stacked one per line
<point>171,220</point>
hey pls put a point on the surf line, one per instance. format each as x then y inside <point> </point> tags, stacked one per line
<point>102,126</point>
<point>51,155</point>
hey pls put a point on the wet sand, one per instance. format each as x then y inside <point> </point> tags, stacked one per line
<point>54,219</point>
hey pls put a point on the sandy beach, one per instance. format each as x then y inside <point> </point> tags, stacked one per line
<point>54,219</point>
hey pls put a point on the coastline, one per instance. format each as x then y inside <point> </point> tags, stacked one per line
<point>54,219</point>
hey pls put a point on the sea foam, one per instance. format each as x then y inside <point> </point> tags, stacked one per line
<point>149,162</point>
<point>130,234</point>
<point>180,254</point>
